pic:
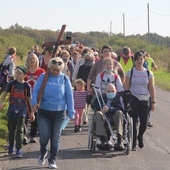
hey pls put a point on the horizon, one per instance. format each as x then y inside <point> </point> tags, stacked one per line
<point>26,27</point>
<point>129,18</point>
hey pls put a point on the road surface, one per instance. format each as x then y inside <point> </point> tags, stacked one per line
<point>74,154</point>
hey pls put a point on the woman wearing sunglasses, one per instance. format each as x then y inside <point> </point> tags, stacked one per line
<point>57,97</point>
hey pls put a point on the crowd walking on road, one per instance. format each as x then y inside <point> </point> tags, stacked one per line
<point>49,88</point>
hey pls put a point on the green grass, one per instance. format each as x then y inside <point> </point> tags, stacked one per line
<point>162,79</point>
<point>3,129</point>
<point>3,126</point>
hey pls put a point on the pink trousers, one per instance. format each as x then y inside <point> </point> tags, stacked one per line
<point>78,116</point>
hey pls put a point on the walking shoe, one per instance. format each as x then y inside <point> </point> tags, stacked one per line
<point>104,147</point>
<point>134,148</point>
<point>79,128</point>
<point>119,145</point>
<point>11,150</point>
<point>109,144</point>
<point>140,142</point>
<point>150,124</point>
<point>33,140</point>
<point>41,159</point>
<point>19,153</point>
<point>25,140</point>
<point>76,129</point>
<point>52,164</point>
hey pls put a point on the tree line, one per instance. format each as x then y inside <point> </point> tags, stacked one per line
<point>24,38</point>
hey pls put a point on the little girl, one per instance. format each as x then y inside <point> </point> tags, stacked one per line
<point>79,103</point>
<point>108,76</point>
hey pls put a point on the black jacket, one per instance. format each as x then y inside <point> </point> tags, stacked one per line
<point>116,104</point>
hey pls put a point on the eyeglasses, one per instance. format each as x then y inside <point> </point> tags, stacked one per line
<point>107,51</point>
<point>58,63</point>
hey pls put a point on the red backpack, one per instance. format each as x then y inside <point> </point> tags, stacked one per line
<point>102,75</point>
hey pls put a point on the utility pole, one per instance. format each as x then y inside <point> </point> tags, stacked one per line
<point>148,25</point>
<point>110,28</point>
<point>123,24</point>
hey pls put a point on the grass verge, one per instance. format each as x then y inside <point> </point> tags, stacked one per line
<point>162,79</point>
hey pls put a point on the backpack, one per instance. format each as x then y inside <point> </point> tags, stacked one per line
<point>26,88</point>
<point>115,77</point>
<point>145,64</point>
<point>4,70</point>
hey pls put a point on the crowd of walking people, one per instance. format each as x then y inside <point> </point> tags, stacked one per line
<point>50,87</point>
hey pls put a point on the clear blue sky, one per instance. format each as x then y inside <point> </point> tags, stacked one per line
<point>88,15</point>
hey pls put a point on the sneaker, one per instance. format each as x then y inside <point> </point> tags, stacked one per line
<point>41,159</point>
<point>52,164</point>
<point>150,124</point>
<point>33,140</point>
<point>79,128</point>
<point>76,129</point>
<point>19,153</point>
<point>25,140</point>
<point>109,144</point>
<point>140,142</point>
<point>134,148</point>
<point>119,147</point>
<point>104,147</point>
<point>11,150</point>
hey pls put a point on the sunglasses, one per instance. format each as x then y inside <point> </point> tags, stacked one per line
<point>58,63</point>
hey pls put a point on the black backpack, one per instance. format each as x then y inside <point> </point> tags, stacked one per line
<point>4,70</point>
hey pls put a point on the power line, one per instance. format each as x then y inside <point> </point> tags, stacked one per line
<point>160,14</point>
<point>138,16</point>
<point>119,23</point>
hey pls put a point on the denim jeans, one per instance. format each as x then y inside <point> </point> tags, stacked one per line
<point>49,125</point>
<point>16,130</point>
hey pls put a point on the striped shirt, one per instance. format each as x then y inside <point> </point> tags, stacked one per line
<point>80,99</point>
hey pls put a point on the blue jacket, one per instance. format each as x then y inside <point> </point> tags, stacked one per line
<point>58,94</point>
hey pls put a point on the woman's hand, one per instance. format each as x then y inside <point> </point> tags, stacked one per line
<point>153,105</point>
<point>35,107</point>
<point>32,118</point>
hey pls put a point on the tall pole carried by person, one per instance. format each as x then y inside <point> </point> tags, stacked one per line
<point>54,45</point>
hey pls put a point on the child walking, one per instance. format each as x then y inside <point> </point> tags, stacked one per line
<point>80,95</point>
<point>20,97</point>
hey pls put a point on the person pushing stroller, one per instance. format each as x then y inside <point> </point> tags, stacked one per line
<point>113,110</point>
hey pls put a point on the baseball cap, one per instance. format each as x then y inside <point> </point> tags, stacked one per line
<point>22,69</point>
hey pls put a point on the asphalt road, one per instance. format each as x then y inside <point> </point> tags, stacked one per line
<point>74,154</point>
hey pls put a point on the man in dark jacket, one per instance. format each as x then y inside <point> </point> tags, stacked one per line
<point>113,109</point>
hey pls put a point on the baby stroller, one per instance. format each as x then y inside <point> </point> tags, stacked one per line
<point>128,128</point>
